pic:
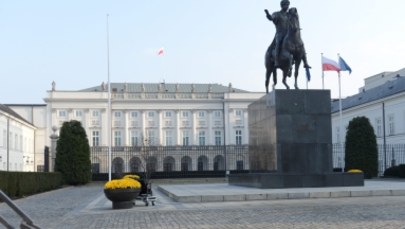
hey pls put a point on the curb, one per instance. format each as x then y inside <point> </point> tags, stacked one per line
<point>279,195</point>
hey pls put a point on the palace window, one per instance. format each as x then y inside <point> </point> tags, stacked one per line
<point>4,138</point>
<point>201,114</point>
<point>134,138</point>
<point>134,114</point>
<point>378,125</point>
<point>238,135</point>
<point>78,113</point>
<point>96,138</point>
<point>391,124</point>
<point>117,114</point>
<point>201,138</point>
<point>169,137</point>
<point>62,114</point>
<point>117,138</point>
<point>95,113</point>
<point>168,114</point>
<point>218,137</point>
<point>185,114</point>
<point>151,139</point>
<point>186,138</point>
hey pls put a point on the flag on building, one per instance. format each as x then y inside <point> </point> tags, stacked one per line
<point>329,65</point>
<point>344,66</point>
<point>161,52</point>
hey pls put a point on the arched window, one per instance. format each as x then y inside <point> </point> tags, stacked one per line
<point>186,163</point>
<point>135,165</point>
<point>151,164</point>
<point>168,164</point>
<point>118,165</point>
<point>202,163</point>
<point>219,163</point>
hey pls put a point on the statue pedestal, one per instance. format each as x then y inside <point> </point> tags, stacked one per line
<point>291,142</point>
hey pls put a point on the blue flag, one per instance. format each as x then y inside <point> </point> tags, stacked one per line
<point>344,66</point>
<point>308,74</point>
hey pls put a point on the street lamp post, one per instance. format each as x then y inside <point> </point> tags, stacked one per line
<point>109,103</point>
<point>54,138</point>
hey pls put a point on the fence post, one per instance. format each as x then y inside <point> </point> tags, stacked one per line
<point>226,162</point>
<point>393,157</point>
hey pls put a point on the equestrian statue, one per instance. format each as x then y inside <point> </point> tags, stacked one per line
<point>287,48</point>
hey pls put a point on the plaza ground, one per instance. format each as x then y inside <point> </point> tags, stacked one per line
<point>86,207</point>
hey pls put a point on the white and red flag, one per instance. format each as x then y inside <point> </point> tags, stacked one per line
<point>329,65</point>
<point>161,52</point>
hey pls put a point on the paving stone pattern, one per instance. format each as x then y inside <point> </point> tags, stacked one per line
<point>86,207</point>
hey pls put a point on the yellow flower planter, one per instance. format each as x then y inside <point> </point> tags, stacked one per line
<point>122,192</point>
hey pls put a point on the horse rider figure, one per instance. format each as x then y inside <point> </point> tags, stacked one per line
<point>281,20</point>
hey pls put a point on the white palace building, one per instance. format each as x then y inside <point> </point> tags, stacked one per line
<point>176,115</point>
<point>17,141</point>
<point>382,101</point>
<point>164,114</point>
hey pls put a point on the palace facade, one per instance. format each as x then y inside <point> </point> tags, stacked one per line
<point>160,114</point>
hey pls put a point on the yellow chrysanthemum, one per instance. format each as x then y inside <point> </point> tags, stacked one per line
<point>122,183</point>
<point>354,171</point>
<point>132,176</point>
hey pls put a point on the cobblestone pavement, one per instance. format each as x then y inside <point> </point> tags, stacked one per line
<point>86,207</point>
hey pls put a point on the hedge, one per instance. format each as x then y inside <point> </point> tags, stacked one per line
<point>395,171</point>
<point>19,184</point>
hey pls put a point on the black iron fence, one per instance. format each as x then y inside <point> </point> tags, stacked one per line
<point>170,161</point>
<point>388,155</point>
<point>205,161</point>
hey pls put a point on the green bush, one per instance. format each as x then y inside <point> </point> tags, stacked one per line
<point>18,184</point>
<point>392,172</point>
<point>401,170</point>
<point>73,154</point>
<point>395,171</point>
<point>361,147</point>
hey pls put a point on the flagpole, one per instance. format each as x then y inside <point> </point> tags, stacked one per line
<point>340,107</point>
<point>323,74</point>
<point>109,102</point>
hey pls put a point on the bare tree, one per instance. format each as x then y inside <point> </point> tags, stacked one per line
<point>147,159</point>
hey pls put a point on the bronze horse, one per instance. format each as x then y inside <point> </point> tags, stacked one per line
<point>292,53</point>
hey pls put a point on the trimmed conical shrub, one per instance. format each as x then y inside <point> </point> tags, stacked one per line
<point>361,147</point>
<point>73,154</point>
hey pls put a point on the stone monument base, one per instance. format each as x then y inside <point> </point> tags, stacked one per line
<point>290,142</point>
<point>274,180</point>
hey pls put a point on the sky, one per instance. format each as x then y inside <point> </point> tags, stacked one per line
<point>205,41</point>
